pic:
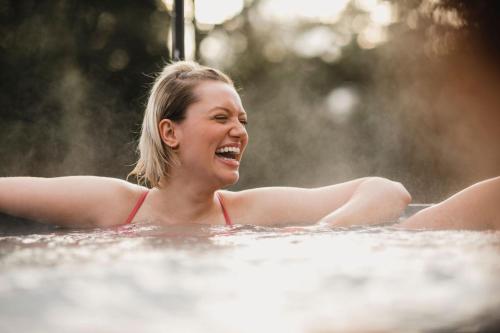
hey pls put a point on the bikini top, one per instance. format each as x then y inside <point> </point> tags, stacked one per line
<point>144,194</point>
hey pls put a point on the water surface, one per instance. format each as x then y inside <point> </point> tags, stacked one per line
<point>249,279</point>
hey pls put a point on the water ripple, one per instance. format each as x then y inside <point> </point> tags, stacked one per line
<point>249,278</point>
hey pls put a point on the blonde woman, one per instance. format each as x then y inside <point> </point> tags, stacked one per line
<point>192,142</point>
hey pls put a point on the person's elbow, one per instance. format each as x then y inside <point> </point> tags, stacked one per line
<point>391,189</point>
<point>401,192</point>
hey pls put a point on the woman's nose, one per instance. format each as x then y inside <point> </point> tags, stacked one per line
<point>238,130</point>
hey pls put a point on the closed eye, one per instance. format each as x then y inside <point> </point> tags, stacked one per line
<point>221,117</point>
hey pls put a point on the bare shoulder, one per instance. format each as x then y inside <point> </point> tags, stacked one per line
<point>111,199</point>
<point>284,205</point>
<point>75,201</point>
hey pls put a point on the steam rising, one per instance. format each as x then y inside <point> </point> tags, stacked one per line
<point>409,93</point>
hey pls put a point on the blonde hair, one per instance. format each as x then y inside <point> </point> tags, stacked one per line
<point>171,95</point>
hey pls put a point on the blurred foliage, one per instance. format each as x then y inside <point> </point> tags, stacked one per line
<point>75,77</point>
<point>73,83</point>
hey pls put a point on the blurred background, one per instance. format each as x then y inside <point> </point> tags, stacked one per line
<point>334,89</point>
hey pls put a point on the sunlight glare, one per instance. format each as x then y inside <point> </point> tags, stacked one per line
<point>341,103</point>
<point>332,55</point>
<point>313,42</point>
<point>169,4</point>
<point>216,50</point>
<point>372,36</point>
<point>383,14</point>
<point>325,11</point>
<point>188,8</point>
<point>359,23</point>
<point>366,5</point>
<point>217,11</point>
<point>321,42</point>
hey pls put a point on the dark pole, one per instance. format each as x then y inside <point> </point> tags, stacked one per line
<point>178,31</point>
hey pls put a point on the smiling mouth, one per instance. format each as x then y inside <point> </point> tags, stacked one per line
<point>229,153</point>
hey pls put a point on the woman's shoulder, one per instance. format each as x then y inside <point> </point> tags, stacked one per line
<point>118,199</point>
<point>263,205</point>
<point>109,200</point>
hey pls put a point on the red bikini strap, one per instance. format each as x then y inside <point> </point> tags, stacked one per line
<point>226,215</point>
<point>138,205</point>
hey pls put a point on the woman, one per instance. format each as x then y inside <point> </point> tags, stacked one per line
<point>192,141</point>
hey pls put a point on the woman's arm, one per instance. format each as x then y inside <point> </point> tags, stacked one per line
<point>477,207</point>
<point>374,201</point>
<point>361,201</point>
<point>78,201</point>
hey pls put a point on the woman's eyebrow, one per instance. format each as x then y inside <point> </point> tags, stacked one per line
<point>227,110</point>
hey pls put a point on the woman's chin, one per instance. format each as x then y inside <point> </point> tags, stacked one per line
<point>228,180</point>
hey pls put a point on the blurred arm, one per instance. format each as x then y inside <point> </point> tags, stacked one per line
<point>477,207</point>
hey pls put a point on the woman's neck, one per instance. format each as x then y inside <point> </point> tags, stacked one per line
<point>183,201</point>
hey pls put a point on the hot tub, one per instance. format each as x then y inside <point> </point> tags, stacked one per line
<point>248,279</point>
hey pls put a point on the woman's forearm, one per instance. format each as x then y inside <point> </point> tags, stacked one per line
<point>474,208</point>
<point>376,200</point>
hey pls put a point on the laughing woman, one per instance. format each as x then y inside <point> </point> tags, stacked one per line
<point>193,139</point>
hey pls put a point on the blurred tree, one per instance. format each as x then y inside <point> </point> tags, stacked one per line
<point>73,83</point>
<point>427,112</point>
<point>411,98</point>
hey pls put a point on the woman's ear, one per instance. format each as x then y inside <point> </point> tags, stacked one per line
<point>168,135</point>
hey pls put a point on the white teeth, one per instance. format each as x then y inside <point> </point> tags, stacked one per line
<point>235,150</point>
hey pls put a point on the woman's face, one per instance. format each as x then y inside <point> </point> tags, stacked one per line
<point>213,137</point>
